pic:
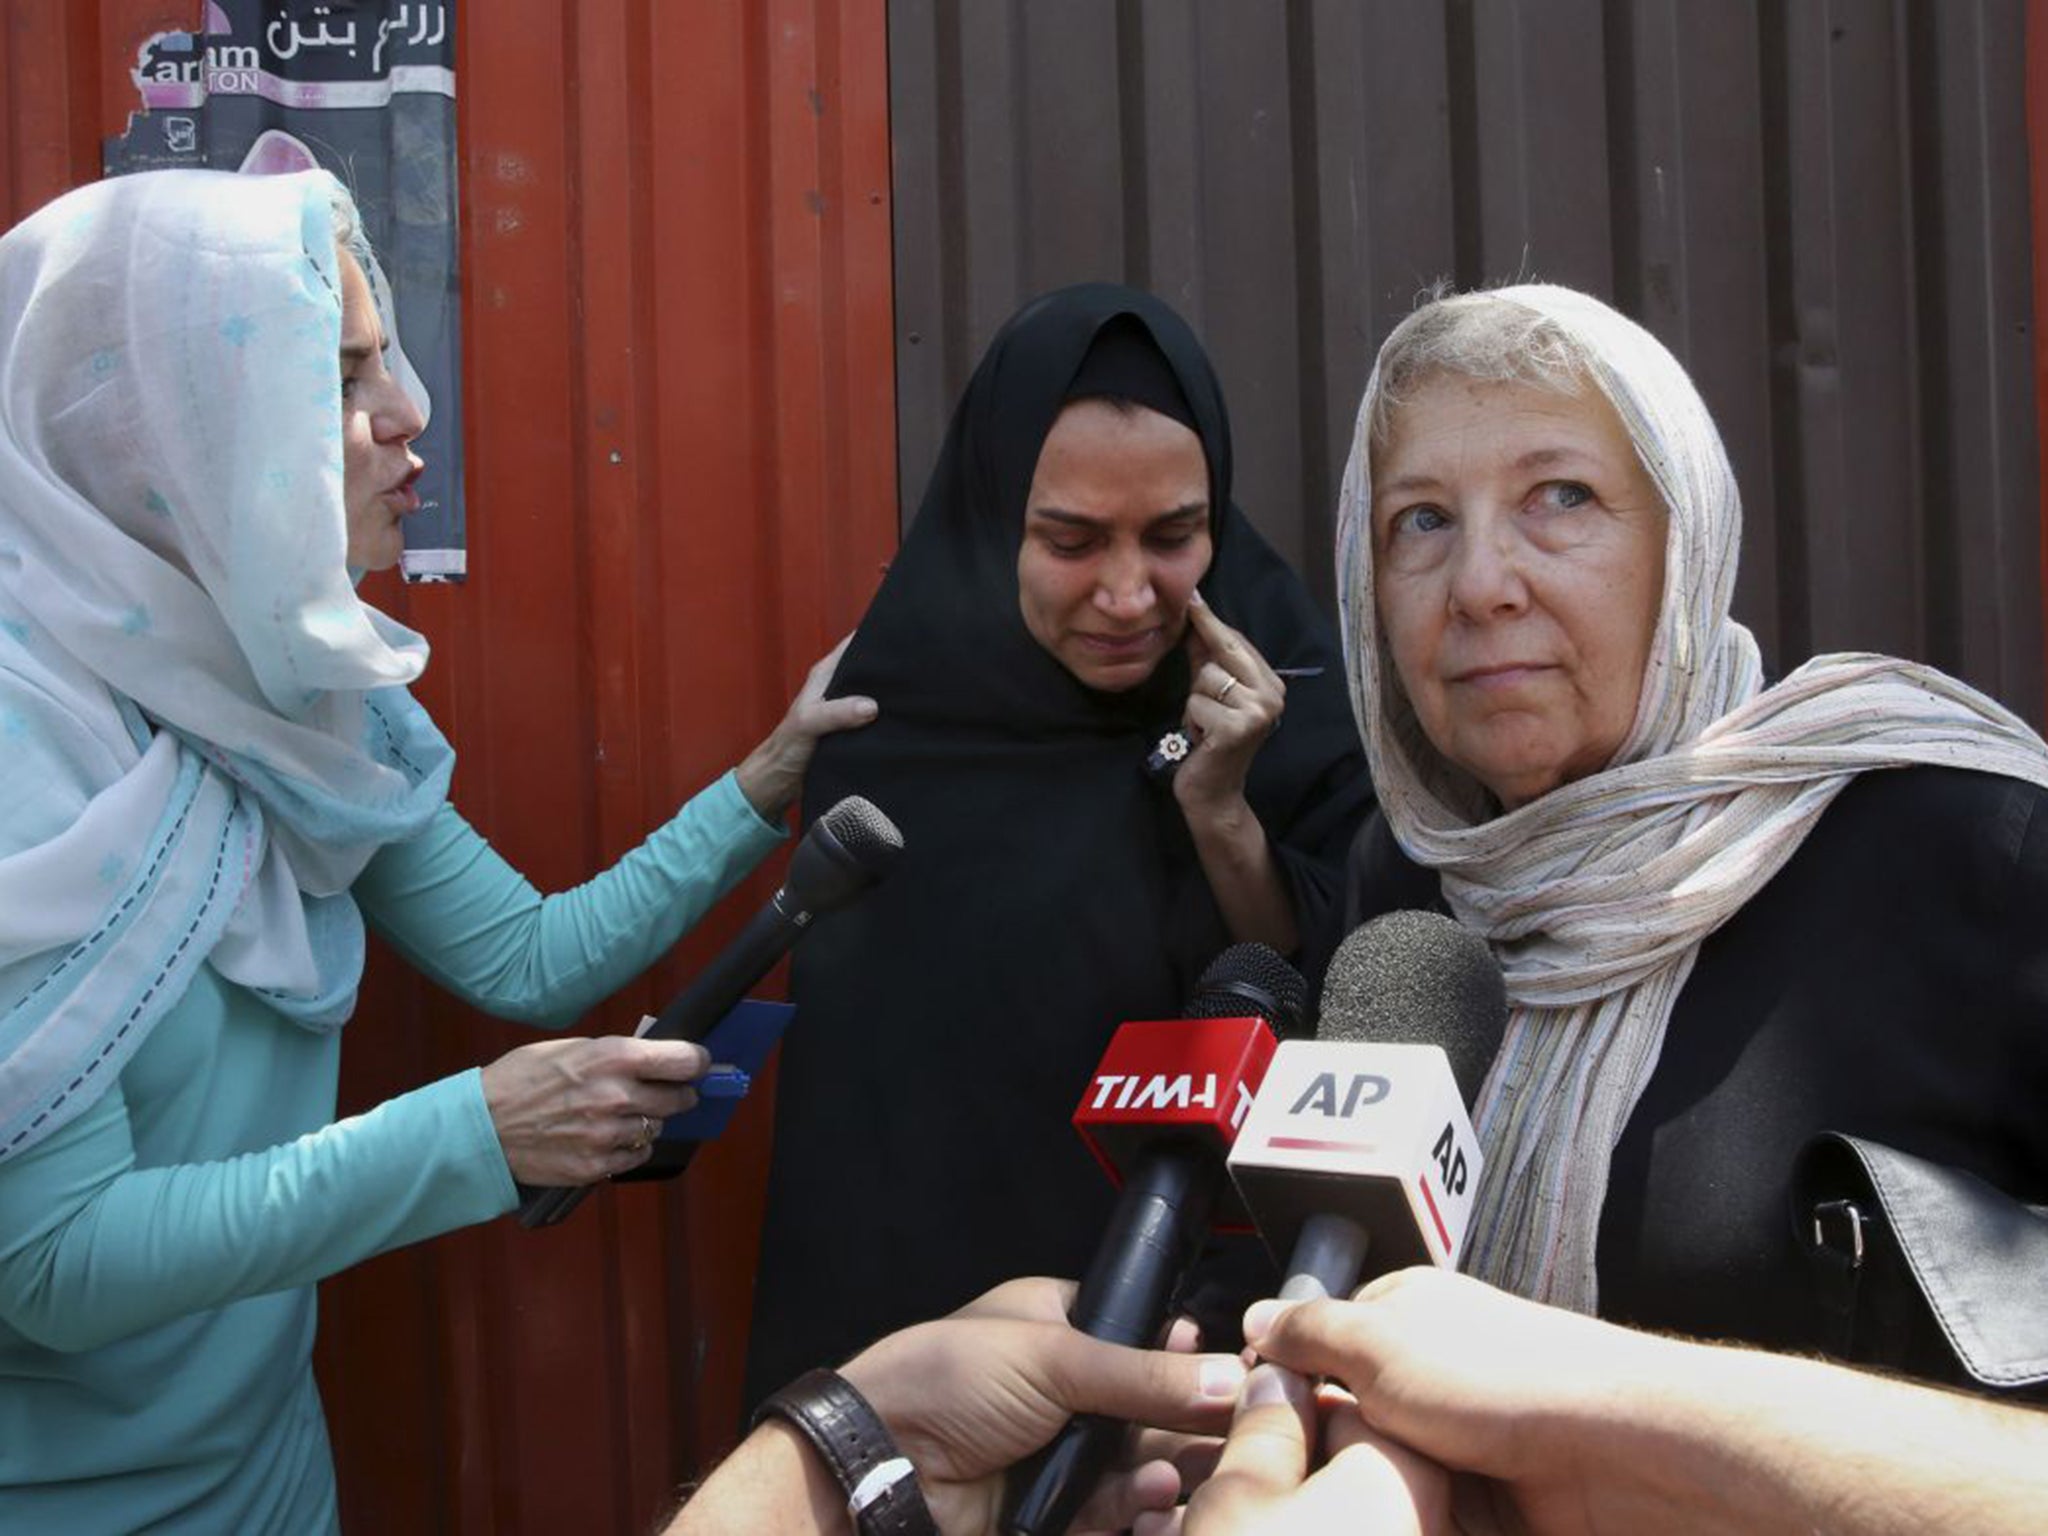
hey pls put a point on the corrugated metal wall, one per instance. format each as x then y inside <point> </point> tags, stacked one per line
<point>681,448</point>
<point>1821,205</point>
<point>677,281</point>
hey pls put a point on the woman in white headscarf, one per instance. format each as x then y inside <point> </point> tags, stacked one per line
<point>1731,916</point>
<point>210,772</point>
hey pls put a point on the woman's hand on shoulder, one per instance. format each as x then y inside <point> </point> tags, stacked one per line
<point>772,776</point>
<point>1235,701</point>
<point>573,1111</point>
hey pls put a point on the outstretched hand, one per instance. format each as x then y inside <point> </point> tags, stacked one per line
<point>772,775</point>
<point>1479,1381</point>
<point>971,1394</point>
<point>1575,1426</point>
<point>1469,1374</point>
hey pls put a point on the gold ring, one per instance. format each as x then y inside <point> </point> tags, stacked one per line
<point>1229,683</point>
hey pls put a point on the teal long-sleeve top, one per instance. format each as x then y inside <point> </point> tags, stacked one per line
<point>158,1254</point>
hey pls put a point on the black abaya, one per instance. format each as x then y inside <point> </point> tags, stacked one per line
<point>1049,888</point>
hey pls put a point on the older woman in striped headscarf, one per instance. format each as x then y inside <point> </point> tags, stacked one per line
<point>1731,916</point>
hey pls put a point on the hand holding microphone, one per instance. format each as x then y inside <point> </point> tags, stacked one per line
<point>959,1399</point>
<point>972,1394</point>
<point>1357,1156</point>
<point>1579,1425</point>
<point>846,851</point>
<point>1160,1113</point>
<point>578,1110</point>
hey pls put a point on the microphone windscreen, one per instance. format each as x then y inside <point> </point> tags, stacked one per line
<point>868,835</point>
<point>1250,979</point>
<point>1422,978</point>
<point>846,850</point>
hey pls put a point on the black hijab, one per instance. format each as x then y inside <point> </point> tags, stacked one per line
<point>1049,889</point>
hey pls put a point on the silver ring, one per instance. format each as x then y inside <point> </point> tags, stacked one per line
<point>1229,683</point>
<point>647,1131</point>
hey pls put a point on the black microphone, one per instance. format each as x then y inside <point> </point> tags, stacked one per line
<point>1160,1114</point>
<point>847,850</point>
<point>1358,1156</point>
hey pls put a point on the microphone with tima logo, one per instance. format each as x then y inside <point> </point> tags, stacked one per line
<point>1159,1114</point>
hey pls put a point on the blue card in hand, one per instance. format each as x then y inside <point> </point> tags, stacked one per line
<point>739,1044</point>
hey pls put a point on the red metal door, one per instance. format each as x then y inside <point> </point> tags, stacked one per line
<point>681,453</point>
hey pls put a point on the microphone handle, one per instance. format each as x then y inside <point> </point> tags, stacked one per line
<point>1161,1216</point>
<point>1328,1258</point>
<point>1061,1476</point>
<point>769,935</point>
<point>1153,1237</point>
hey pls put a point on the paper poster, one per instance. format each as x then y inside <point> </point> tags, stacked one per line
<point>367,90</point>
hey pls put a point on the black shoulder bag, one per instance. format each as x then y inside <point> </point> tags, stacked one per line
<point>1924,1269</point>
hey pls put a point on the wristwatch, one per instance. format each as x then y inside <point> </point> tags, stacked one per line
<point>882,1492</point>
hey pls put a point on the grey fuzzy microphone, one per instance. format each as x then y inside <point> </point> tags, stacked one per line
<point>1419,976</point>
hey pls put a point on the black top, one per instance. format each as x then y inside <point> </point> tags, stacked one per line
<point>1049,889</point>
<point>1890,982</point>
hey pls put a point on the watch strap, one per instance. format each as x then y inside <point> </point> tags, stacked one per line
<point>882,1492</point>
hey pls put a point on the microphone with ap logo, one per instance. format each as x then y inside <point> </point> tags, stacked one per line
<point>1358,1155</point>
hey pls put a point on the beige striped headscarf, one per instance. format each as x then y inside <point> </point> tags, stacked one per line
<point>1597,896</point>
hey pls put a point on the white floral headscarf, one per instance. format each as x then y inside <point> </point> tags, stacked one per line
<point>205,731</point>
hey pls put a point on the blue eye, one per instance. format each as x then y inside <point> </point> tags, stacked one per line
<point>1568,493</point>
<point>1419,519</point>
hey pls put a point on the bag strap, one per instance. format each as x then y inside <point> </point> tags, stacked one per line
<point>1837,1249</point>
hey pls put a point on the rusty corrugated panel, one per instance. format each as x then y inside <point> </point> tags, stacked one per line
<point>1821,206</point>
<point>676,261</point>
<point>676,269</point>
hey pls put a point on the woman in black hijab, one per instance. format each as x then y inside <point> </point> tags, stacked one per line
<point>1035,639</point>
